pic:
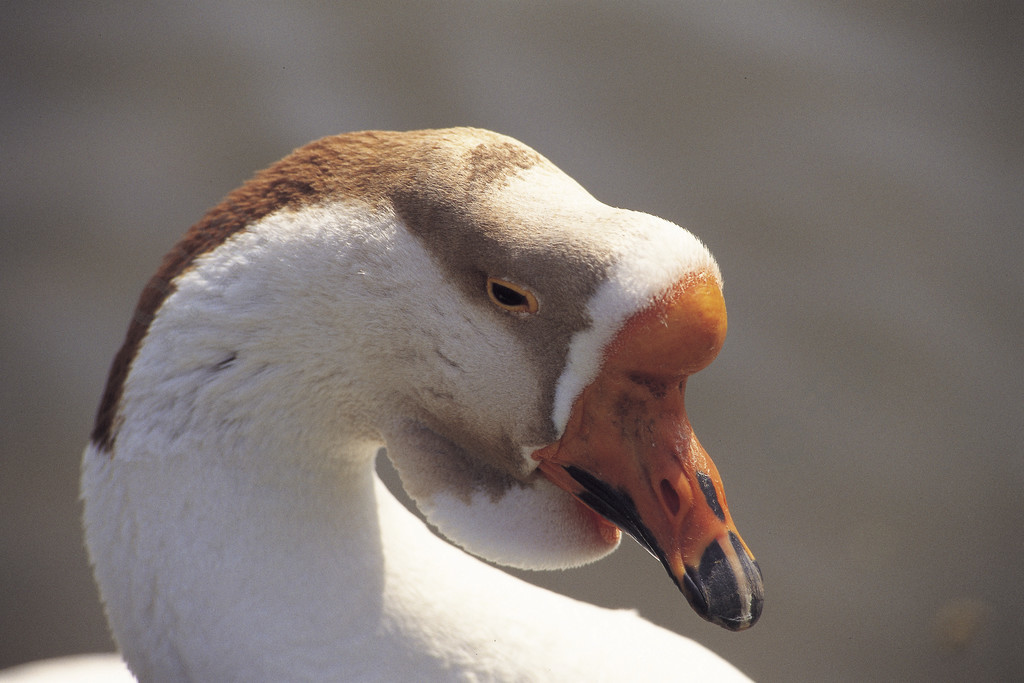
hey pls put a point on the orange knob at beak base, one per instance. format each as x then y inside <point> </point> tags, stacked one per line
<point>629,454</point>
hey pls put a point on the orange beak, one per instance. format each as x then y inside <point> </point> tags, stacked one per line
<point>629,454</point>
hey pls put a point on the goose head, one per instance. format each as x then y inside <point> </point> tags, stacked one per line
<point>521,349</point>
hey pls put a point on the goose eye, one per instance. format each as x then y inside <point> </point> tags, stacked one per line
<point>511,297</point>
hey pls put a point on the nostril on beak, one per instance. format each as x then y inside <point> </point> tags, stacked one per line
<point>669,497</point>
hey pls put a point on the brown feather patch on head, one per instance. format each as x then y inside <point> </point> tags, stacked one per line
<point>406,169</point>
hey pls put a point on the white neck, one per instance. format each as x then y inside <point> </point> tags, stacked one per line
<point>305,575</point>
<point>238,529</point>
<point>243,565</point>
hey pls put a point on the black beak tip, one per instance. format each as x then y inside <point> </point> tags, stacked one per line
<point>732,599</point>
<point>726,593</point>
<point>744,621</point>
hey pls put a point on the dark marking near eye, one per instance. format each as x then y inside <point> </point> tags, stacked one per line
<point>710,495</point>
<point>226,363</point>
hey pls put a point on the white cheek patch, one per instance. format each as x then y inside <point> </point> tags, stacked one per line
<point>651,257</point>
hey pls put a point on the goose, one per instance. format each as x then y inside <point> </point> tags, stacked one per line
<point>519,349</point>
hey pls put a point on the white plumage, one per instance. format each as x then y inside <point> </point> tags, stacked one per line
<point>339,302</point>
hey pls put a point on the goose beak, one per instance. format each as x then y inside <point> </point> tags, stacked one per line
<point>630,455</point>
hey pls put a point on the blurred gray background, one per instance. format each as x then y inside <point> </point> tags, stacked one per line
<point>857,169</point>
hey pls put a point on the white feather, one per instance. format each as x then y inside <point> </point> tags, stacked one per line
<point>239,531</point>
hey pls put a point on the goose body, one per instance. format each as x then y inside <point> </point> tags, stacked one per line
<point>519,348</point>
